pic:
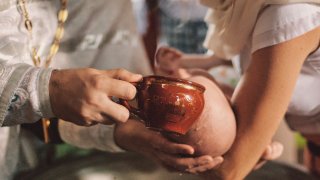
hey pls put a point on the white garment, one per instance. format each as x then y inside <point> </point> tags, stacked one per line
<point>280,23</point>
<point>140,11</point>
<point>232,21</point>
<point>100,35</point>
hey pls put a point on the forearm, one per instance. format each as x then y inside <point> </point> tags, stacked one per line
<point>245,153</point>
<point>261,100</point>
<point>259,108</point>
<point>202,61</point>
<point>256,126</point>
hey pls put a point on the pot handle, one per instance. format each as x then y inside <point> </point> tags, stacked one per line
<point>132,109</point>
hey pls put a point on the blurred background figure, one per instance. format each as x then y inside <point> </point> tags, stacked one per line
<point>182,25</point>
<point>147,17</point>
<point>175,23</point>
<point>140,10</point>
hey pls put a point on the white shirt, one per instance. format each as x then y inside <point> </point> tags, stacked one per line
<point>280,23</point>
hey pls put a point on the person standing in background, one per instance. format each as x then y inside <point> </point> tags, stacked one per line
<point>182,25</point>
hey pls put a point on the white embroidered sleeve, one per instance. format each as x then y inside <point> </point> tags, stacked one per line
<point>24,93</point>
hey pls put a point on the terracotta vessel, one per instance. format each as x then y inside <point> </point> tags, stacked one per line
<point>168,104</point>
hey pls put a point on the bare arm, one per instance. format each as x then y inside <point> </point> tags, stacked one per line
<point>202,61</point>
<point>261,99</point>
<point>169,60</point>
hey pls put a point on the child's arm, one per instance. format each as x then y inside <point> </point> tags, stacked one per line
<point>262,98</point>
<point>202,61</point>
<point>170,59</point>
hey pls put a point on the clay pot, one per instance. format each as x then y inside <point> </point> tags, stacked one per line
<point>168,104</point>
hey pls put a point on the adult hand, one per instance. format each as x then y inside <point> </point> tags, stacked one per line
<point>82,96</point>
<point>167,61</point>
<point>133,136</point>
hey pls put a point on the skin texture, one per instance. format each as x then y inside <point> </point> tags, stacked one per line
<point>85,93</point>
<point>261,100</point>
<point>214,131</point>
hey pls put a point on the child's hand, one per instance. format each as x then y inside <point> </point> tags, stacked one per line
<point>167,61</point>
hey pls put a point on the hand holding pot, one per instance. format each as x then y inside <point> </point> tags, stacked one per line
<point>82,96</point>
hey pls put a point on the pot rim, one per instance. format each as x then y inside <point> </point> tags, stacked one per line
<point>172,80</point>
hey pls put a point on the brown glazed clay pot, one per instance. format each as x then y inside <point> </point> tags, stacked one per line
<point>168,104</point>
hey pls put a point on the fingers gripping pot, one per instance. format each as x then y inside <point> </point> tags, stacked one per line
<point>168,104</point>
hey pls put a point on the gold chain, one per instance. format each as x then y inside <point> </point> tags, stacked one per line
<point>62,17</point>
